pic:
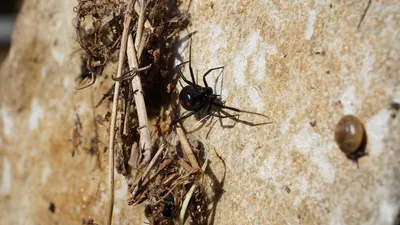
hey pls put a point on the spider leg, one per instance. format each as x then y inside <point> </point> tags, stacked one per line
<point>217,114</point>
<point>180,64</point>
<point>209,71</point>
<point>235,119</point>
<point>249,123</point>
<point>190,63</point>
<point>92,80</point>
<point>193,82</point>
<point>223,116</point>
<point>184,116</point>
<point>178,69</point>
<point>237,110</point>
<point>180,83</point>
<point>226,107</point>
<point>204,119</point>
<point>211,125</point>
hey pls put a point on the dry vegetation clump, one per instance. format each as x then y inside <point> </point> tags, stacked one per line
<point>171,173</point>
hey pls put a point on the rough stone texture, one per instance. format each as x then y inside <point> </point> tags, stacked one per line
<point>296,61</point>
<point>38,109</point>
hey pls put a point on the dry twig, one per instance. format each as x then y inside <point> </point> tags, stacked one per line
<point>146,144</point>
<point>151,164</point>
<point>127,23</point>
<point>190,193</point>
<point>364,14</point>
<point>186,147</point>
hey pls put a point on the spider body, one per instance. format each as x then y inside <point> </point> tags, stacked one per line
<point>193,99</point>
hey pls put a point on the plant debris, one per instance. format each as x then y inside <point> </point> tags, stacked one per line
<point>100,38</point>
<point>167,185</point>
<point>174,169</point>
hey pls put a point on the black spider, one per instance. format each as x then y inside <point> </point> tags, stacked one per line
<point>195,98</point>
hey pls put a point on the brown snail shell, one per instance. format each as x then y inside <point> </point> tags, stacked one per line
<point>350,136</point>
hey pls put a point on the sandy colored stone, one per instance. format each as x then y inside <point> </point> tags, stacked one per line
<point>296,62</point>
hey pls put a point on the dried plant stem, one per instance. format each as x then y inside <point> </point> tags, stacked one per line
<point>145,138</point>
<point>146,172</point>
<point>133,56</point>
<point>364,14</point>
<point>126,119</point>
<point>140,25</point>
<point>189,194</point>
<point>180,181</point>
<point>185,203</point>
<point>186,147</point>
<point>127,22</point>
<point>185,165</point>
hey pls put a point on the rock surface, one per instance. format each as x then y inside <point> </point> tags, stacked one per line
<point>303,64</point>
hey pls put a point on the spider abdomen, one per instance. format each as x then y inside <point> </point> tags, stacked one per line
<point>194,98</point>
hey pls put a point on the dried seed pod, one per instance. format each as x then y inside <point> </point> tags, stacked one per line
<point>351,137</point>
